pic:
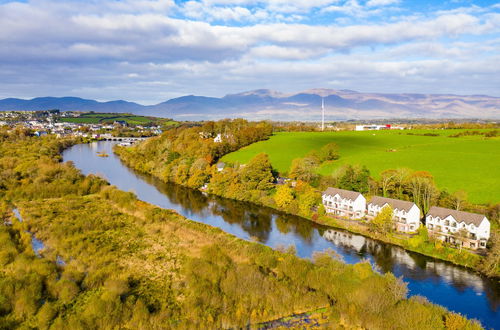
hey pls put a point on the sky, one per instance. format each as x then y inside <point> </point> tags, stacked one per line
<point>149,51</point>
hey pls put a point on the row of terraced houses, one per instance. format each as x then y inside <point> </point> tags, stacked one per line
<point>470,230</point>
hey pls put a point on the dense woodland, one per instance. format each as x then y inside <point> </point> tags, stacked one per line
<point>111,261</point>
<point>194,167</point>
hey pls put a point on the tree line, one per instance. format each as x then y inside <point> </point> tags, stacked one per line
<point>112,261</point>
<point>256,182</point>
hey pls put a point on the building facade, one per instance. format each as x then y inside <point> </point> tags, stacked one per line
<point>344,203</point>
<point>465,229</point>
<point>406,215</point>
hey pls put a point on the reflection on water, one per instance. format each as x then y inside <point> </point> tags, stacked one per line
<point>36,244</point>
<point>453,287</point>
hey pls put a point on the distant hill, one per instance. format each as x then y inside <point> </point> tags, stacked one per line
<point>69,104</point>
<point>268,104</point>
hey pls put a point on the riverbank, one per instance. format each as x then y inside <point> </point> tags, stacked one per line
<point>134,265</point>
<point>417,244</point>
<point>442,283</point>
<point>149,267</point>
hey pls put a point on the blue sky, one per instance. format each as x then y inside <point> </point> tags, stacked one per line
<point>149,51</point>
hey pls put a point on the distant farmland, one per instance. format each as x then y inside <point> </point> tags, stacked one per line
<point>99,118</point>
<point>469,163</point>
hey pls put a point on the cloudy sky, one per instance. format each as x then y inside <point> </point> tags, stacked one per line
<point>149,51</point>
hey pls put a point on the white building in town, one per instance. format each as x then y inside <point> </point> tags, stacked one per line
<point>344,203</point>
<point>406,214</point>
<point>376,127</point>
<point>470,230</point>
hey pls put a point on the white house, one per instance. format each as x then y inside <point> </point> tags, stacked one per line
<point>471,230</point>
<point>220,166</point>
<point>406,214</point>
<point>218,138</point>
<point>344,203</point>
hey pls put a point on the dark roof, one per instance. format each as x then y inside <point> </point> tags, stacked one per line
<point>460,216</point>
<point>394,203</point>
<point>347,194</point>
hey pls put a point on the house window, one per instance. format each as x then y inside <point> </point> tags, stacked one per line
<point>447,223</point>
<point>430,226</point>
<point>454,224</point>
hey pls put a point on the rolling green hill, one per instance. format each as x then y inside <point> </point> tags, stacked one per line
<point>100,118</point>
<point>469,163</point>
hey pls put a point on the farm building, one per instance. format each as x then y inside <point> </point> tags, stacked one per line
<point>470,230</point>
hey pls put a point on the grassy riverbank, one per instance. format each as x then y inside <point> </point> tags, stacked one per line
<point>126,264</point>
<point>131,264</point>
<point>419,243</point>
<point>421,150</point>
<point>182,156</point>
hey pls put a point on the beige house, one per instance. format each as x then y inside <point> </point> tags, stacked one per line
<point>469,230</point>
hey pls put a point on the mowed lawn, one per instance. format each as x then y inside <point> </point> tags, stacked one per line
<point>470,163</point>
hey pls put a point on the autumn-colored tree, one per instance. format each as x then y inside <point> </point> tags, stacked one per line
<point>307,198</point>
<point>400,181</point>
<point>284,197</point>
<point>258,173</point>
<point>304,169</point>
<point>423,189</point>
<point>388,181</point>
<point>328,152</point>
<point>383,222</point>
<point>458,199</point>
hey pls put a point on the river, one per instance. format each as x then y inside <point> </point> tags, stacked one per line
<point>440,282</point>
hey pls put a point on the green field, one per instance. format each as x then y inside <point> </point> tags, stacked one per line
<point>470,163</point>
<point>99,118</point>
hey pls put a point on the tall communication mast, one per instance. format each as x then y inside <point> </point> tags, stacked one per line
<point>322,114</point>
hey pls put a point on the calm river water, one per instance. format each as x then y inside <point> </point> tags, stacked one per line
<point>453,287</point>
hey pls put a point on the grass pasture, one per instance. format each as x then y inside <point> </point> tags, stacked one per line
<point>99,118</point>
<point>469,163</point>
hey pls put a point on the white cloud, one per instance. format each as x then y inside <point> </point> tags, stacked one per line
<point>148,50</point>
<point>377,3</point>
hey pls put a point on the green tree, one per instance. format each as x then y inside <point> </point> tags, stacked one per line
<point>304,169</point>
<point>354,178</point>
<point>258,173</point>
<point>329,151</point>
<point>491,264</point>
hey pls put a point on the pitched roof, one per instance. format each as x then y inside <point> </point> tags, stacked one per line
<point>394,203</point>
<point>460,216</point>
<point>346,194</point>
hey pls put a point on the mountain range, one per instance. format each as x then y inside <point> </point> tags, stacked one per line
<point>268,104</point>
